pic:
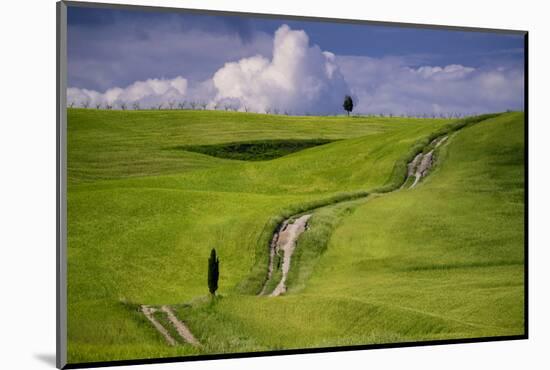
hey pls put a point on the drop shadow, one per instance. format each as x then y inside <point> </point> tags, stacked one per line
<point>47,358</point>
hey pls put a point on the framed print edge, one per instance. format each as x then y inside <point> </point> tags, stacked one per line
<point>61,194</point>
<point>61,186</point>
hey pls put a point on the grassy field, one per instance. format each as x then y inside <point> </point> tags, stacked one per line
<point>442,260</point>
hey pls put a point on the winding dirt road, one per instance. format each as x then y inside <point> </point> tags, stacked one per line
<point>284,239</point>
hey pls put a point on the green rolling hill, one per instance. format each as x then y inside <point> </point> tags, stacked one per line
<point>442,260</point>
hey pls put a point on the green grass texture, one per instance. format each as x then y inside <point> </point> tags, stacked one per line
<point>442,260</point>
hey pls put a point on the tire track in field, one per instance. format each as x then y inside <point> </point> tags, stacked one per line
<point>148,312</point>
<point>180,327</point>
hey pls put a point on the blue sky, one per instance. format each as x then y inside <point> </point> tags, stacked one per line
<point>115,48</point>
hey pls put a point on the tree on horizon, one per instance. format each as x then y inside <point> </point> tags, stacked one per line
<point>348,104</point>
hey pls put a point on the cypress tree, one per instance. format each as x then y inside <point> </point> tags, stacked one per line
<point>213,272</point>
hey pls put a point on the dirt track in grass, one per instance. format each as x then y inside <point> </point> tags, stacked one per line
<point>286,240</point>
<point>180,327</point>
<point>286,236</point>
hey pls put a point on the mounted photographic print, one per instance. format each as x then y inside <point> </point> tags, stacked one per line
<point>236,184</point>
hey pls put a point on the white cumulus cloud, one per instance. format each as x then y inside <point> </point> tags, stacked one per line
<point>149,92</point>
<point>388,85</point>
<point>450,72</point>
<point>300,78</point>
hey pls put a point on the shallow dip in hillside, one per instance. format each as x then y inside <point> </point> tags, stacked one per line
<point>261,150</point>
